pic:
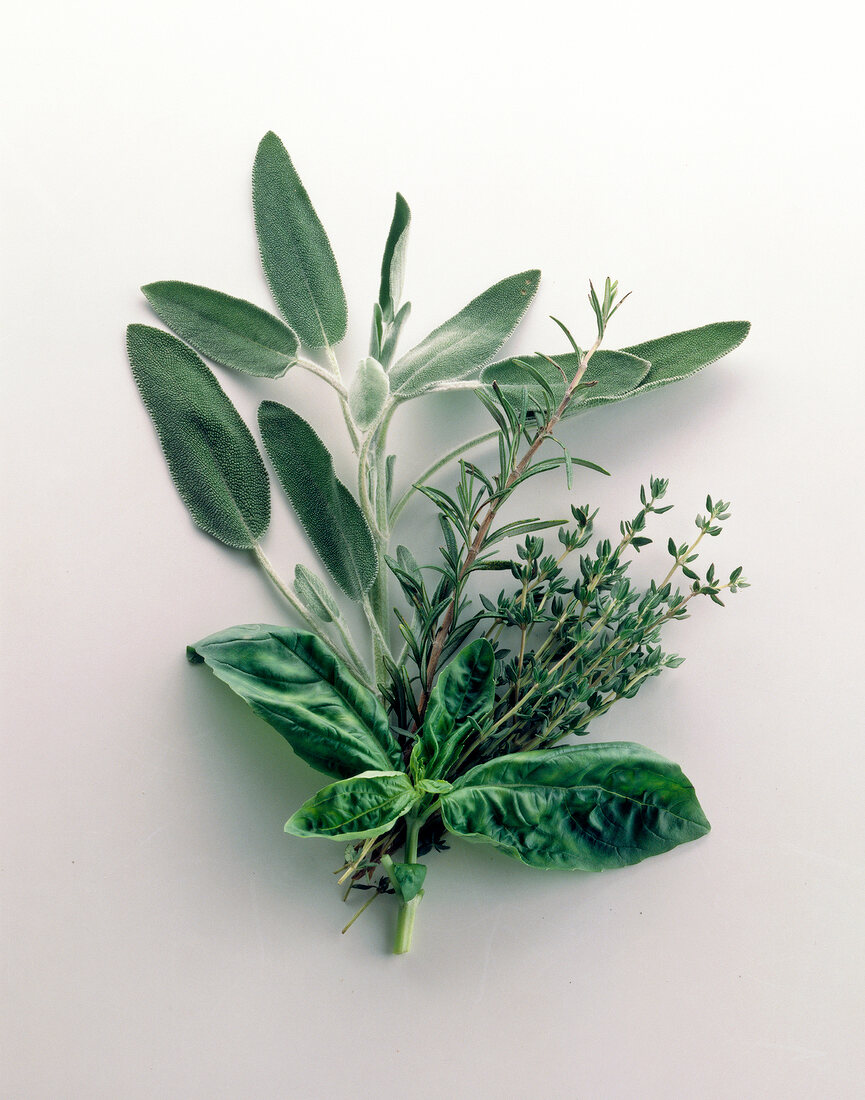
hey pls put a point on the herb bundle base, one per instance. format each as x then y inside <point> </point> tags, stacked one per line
<point>448,719</point>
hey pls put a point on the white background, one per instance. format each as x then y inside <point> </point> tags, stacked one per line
<point>163,937</point>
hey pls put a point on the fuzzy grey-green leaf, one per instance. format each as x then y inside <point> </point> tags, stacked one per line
<point>294,682</point>
<point>684,353</point>
<point>363,806</point>
<point>613,375</point>
<point>227,330</point>
<point>393,260</point>
<point>368,392</point>
<point>581,807</point>
<point>295,252</point>
<point>212,456</point>
<point>329,513</point>
<point>460,347</point>
<point>395,329</point>
<point>314,595</point>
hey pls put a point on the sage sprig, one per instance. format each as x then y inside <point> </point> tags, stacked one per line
<point>445,720</point>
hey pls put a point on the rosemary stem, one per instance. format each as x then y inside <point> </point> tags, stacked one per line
<point>517,471</point>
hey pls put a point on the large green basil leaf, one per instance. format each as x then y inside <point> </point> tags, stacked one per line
<point>329,513</point>
<point>461,346</point>
<point>227,330</point>
<point>393,260</point>
<point>581,807</point>
<point>212,456</point>
<point>365,805</point>
<point>463,695</point>
<point>613,374</point>
<point>295,252</point>
<point>684,353</point>
<point>292,680</point>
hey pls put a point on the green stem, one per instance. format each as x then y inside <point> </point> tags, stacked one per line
<point>372,476</point>
<point>380,645</point>
<point>362,909</point>
<point>357,660</point>
<point>367,478</point>
<point>343,399</point>
<point>679,561</point>
<point>436,466</point>
<point>324,374</point>
<point>408,909</point>
<point>351,656</point>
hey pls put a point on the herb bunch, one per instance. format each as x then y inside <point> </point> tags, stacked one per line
<point>446,720</point>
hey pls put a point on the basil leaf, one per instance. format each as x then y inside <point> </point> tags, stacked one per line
<point>407,879</point>
<point>393,260</point>
<point>684,353</point>
<point>294,682</point>
<point>433,786</point>
<point>227,330</point>
<point>582,807</point>
<point>461,698</point>
<point>615,375</point>
<point>211,454</point>
<point>365,805</point>
<point>461,346</point>
<point>295,252</point>
<point>329,513</point>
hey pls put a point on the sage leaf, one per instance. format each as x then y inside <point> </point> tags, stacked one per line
<point>295,683</point>
<point>314,595</point>
<point>329,513</point>
<point>227,330</point>
<point>459,348</point>
<point>376,332</point>
<point>211,454</point>
<point>395,329</point>
<point>296,255</point>
<point>368,392</point>
<point>613,375</point>
<point>393,260</point>
<point>684,353</point>
<point>462,697</point>
<point>408,563</point>
<point>581,807</point>
<point>364,805</point>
